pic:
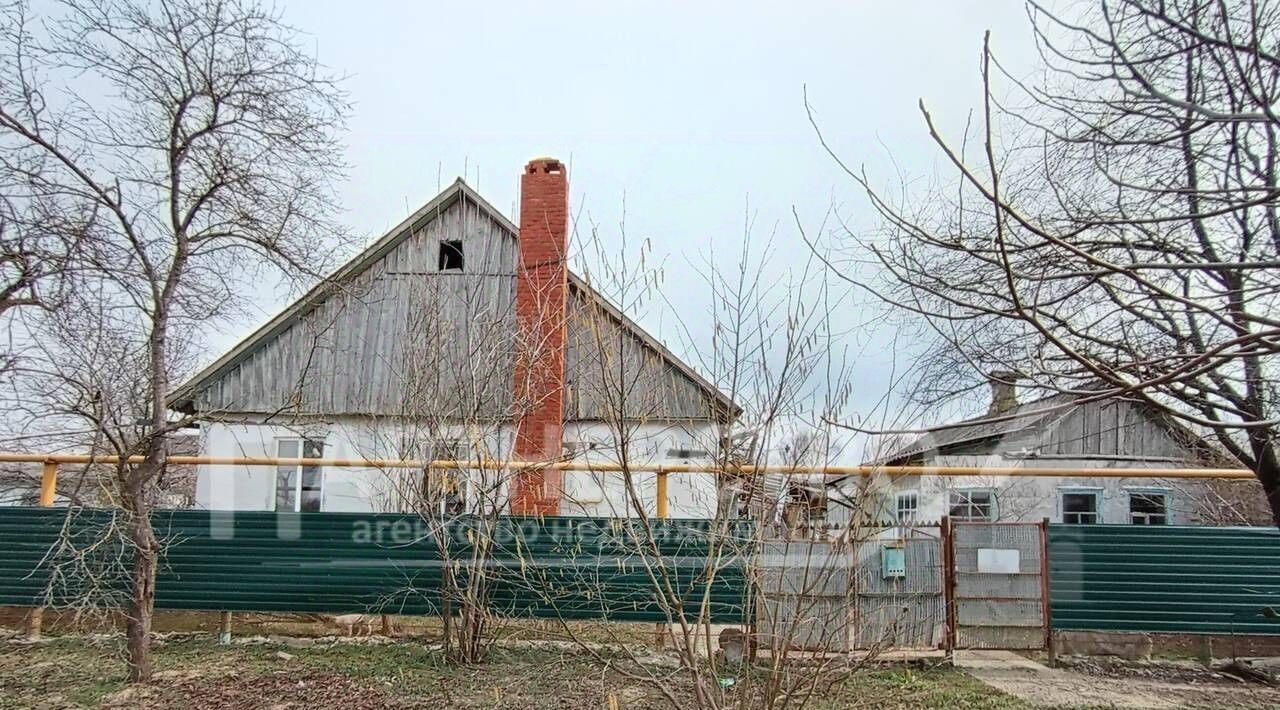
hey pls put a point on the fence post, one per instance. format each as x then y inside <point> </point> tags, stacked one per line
<point>48,490</point>
<point>224,629</point>
<point>1046,610</point>
<point>947,533</point>
<point>48,483</point>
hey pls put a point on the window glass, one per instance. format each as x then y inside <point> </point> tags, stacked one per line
<point>688,454</point>
<point>311,477</point>
<point>1148,508</point>
<point>972,505</point>
<point>298,488</point>
<point>444,490</point>
<point>449,450</point>
<point>908,505</point>
<point>1079,508</point>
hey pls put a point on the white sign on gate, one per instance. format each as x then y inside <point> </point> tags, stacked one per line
<point>992,561</point>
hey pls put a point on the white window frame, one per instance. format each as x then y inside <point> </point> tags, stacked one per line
<point>897,507</point>
<point>993,507</point>
<point>1164,493</point>
<point>1080,490</point>
<point>301,442</point>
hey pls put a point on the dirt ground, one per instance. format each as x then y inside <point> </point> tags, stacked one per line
<point>314,625</point>
<point>195,672</point>
<point>534,668</point>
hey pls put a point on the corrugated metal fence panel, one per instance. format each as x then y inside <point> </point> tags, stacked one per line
<point>999,610</point>
<point>906,612</point>
<point>1164,578</point>
<point>804,594</point>
<point>835,597</point>
<point>339,562</point>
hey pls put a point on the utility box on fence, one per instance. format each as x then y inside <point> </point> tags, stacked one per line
<point>893,561</point>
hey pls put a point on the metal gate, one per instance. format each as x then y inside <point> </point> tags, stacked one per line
<point>998,585</point>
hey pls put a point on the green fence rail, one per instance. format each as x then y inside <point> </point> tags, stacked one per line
<point>1164,579</point>
<point>379,563</point>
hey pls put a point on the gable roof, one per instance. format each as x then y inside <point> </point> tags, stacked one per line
<point>182,397</point>
<point>1023,417</point>
<point>1050,417</point>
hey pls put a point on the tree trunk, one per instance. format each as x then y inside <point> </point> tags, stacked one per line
<point>142,582</point>
<point>1268,471</point>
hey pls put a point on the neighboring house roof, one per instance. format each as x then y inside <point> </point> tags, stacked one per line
<point>184,397</point>
<point>988,427</point>
<point>1055,427</point>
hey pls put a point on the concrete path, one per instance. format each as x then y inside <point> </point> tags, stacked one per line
<point>1038,684</point>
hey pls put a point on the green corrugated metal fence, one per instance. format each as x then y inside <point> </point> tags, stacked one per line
<point>1164,579</point>
<point>386,563</point>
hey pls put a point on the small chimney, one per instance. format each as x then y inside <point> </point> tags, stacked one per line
<point>1004,393</point>
<point>541,304</point>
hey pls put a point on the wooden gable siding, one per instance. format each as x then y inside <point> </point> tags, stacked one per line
<point>1113,428</point>
<point>348,354</point>
<point>609,369</point>
<point>402,338</point>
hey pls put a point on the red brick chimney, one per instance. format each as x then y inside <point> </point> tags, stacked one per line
<point>541,292</point>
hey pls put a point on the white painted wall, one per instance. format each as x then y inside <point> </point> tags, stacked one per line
<point>689,495</point>
<point>1027,499</point>
<point>222,487</point>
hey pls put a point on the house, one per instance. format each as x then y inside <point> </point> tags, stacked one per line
<point>1059,431</point>
<point>457,335</point>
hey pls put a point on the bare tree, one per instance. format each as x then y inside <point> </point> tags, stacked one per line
<point>771,350</point>
<point>1114,233</point>
<point>457,403</point>
<point>192,147</point>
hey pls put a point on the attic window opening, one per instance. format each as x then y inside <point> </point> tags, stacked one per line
<point>450,255</point>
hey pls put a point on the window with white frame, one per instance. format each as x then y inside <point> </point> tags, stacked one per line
<point>1080,507</point>
<point>449,450</point>
<point>1149,507</point>
<point>299,488</point>
<point>906,507</point>
<point>972,504</point>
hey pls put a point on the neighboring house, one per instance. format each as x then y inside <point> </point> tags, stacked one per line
<point>1054,432</point>
<point>457,335</point>
<point>19,484</point>
<point>95,485</point>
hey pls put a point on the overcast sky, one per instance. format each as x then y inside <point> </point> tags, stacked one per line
<point>687,109</point>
